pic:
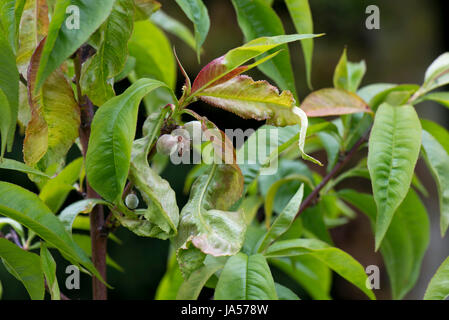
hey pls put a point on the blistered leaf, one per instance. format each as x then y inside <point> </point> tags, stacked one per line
<point>24,266</point>
<point>98,72</point>
<point>246,278</point>
<point>438,288</point>
<point>393,151</point>
<point>72,23</point>
<point>348,75</point>
<point>332,102</point>
<point>336,259</point>
<point>25,207</point>
<point>162,210</point>
<point>302,19</point>
<point>113,130</point>
<point>205,226</point>
<point>196,11</point>
<point>49,269</point>
<point>405,242</point>
<point>55,117</point>
<point>283,221</point>
<point>437,159</point>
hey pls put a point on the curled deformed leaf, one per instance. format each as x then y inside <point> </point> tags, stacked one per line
<point>332,102</point>
<point>206,227</point>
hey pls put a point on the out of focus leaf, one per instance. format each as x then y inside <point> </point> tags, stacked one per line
<point>49,269</point>
<point>438,288</point>
<point>348,75</point>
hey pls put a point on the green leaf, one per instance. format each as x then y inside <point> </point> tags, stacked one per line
<point>162,211</point>
<point>55,191</point>
<point>99,71</point>
<point>14,224</point>
<point>285,293</point>
<point>65,36</point>
<point>113,129</point>
<point>155,60</point>
<point>174,27</point>
<point>26,208</point>
<point>11,164</point>
<point>336,259</point>
<point>302,19</point>
<point>230,65</point>
<point>55,117</point>
<point>171,281</point>
<point>313,275</point>
<point>437,74</point>
<point>9,94</point>
<point>69,214</point>
<point>440,97</point>
<point>144,9</point>
<point>25,267</point>
<point>438,288</point>
<point>196,11</point>
<point>437,159</point>
<point>49,269</point>
<point>10,12</point>
<point>389,93</point>
<point>405,242</point>
<point>206,227</point>
<point>191,287</point>
<point>393,151</point>
<point>348,75</point>
<point>283,221</point>
<point>257,19</point>
<point>246,278</point>
<point>331,102</point>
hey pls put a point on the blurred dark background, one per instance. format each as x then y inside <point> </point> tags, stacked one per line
<point>413,33</point>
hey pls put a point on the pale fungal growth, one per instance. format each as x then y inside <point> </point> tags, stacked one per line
<point>195,131</point>
<point>167,144</point>
<point>131,201</point>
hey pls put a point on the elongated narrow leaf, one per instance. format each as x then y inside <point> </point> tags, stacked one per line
<point>405,242</point>
<point>49,269</point>
<point>110,58</point>
<point>196,11</point>
<point>25,207</point>
<point>336,259</point>
<point>246,278</point>
<point>69,214</point>
<point>437,74</point>
<point>205,226</point>
<point>55,117</point>
<point>25,266</point>
<point>173,26</point>
<point>348,75</point>
<point>302,19</point>
<point>9,94</point>
<point>113,130</point>
<point>332,102</point>
<point>14,224</point>
<point>171,281</point>
<point>283,221</point>
<point>440,97</point>
<point>393,151</point>
<point>72,23</point>
<point>33,28</point>
<point>11,164</point>
<point>162,212</point>
<point>230,65</point>
<point>438,288</point>
<point>55,191</point>
<point>257,19</point>
<point>437,158</point>
<point>155,60</point>
<point>144,9</point>
<point>285,293</point>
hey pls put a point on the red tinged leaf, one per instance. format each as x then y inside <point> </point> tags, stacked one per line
<point>333,102</point>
